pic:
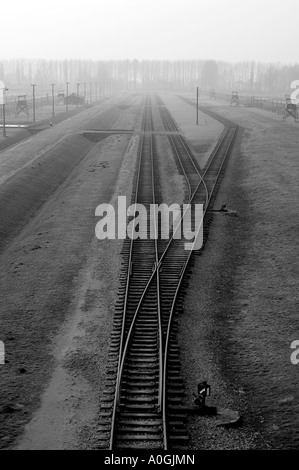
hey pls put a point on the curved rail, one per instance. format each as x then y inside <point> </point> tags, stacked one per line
<point>167,341</point>
<point>124,346</point>
<point>156,275</point>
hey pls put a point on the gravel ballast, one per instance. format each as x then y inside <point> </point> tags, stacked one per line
<point>240,314</point>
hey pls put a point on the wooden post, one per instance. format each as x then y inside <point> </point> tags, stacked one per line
<point>33,102</point>
<point>197,106</point>
<point>53,111</point>
<point>78,85</point>
<point>3,108</point>
<point>67,96</point>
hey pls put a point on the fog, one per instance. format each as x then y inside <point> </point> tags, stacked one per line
<point>230,30</point>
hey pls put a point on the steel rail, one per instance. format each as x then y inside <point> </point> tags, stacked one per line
<point>124,347</point>
<point>163,368</point>
<point>158,261</point>
<point>160,264</point>
<point>126,291</point>
<point>166,118</point>
<point>167,341</point>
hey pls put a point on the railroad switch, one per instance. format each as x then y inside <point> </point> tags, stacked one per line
<point>203,391</point>
<point>226,417</point>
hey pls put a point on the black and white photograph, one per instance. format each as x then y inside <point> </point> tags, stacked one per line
<point>149,223</point>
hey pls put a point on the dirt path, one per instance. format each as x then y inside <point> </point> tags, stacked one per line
<point>24,153</point>
<point>241,309</point>
<point>58,287</point>
<point>67,416</point>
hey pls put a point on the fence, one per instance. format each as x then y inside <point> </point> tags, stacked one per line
<point>273,105</point>
<point>23,114</point>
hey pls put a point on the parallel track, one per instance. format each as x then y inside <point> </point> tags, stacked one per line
<point>138,386</point>
<point>148,387</point>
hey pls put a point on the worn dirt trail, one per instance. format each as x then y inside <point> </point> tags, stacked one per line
<point>58,286</point>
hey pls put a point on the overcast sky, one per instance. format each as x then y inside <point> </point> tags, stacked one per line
<point>234,30</point>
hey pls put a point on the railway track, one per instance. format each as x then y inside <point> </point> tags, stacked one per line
<point>144,387</point>
<point>138,394</point>
<point>181,151</point>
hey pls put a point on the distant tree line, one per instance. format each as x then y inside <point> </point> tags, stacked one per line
<point>249,77</point>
